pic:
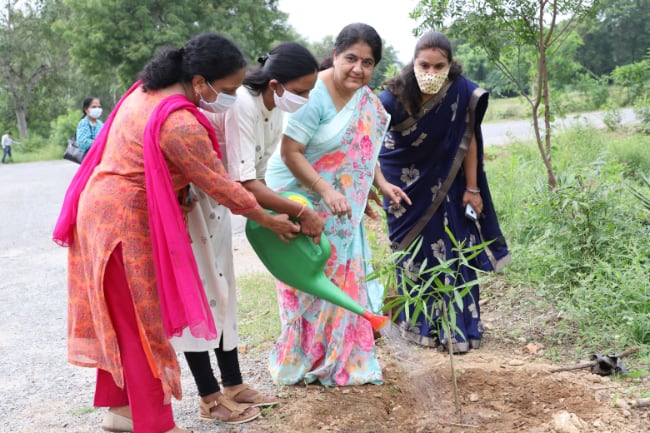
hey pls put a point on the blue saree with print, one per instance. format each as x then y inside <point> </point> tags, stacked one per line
<point>417,155</point>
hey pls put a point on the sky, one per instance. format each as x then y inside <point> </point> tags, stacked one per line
<point>316,19</point>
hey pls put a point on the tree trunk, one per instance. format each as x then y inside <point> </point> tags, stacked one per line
<point>21,120</point>
<point>542,71</point>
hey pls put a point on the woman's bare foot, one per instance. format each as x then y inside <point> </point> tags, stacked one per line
<point>178,430</point>
<point>124,411</point>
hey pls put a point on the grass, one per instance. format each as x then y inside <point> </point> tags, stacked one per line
<point>27,153</point>
<point>507,109</point>
<point>582,247</point>
<point>259,317</point>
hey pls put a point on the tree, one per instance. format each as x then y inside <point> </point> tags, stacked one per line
<point>515,34</point>
<point>619,34</point>
<point>115,38</point>
<point>29,51</point>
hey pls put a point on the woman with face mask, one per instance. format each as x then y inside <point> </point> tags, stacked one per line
<point>248,133</point>
<point>434,150</point>
<point>133,282</point>
<point>89,126</point>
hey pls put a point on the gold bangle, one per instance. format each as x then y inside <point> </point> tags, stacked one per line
<point>302,209</point>
<point>315,182</point>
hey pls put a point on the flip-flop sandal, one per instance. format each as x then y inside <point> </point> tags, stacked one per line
<point>239,413</point>
<point>255,398</point>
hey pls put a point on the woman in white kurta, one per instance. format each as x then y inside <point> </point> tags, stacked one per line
<point>248,134</point>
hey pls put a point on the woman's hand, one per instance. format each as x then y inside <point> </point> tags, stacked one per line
<point>474,199</point>
<point>336,202</point>
<point>279,223</point>
<point>311,224</point>
<point>187,200</point>
<point>394,193</point>
<point>372,196</point>
<point>282,225</point>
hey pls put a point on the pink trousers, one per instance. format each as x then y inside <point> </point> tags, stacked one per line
<point>142,391</point>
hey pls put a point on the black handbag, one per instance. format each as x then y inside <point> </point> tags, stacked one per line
<point>73,152</point>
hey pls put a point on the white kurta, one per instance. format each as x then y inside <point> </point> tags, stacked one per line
<point>248,134</point>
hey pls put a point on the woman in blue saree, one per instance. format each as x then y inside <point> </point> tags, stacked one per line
<point>329,153</point>
<point>434,144</point>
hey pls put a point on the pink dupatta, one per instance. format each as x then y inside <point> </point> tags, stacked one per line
<point>182,299</point>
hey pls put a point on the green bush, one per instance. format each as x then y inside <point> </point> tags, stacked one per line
<point>583,246</point>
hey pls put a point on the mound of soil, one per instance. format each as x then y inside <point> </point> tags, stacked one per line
<point>497,392</point>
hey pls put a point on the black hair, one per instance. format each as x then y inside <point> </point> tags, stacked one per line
<point>285,62</point>
<point>210,55</point>
<point>352,34</point>
<point>89,100</point>
<point>405,86</point>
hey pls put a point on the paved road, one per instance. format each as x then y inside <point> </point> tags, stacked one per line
<point>497,133</point>
<point>41,392</point>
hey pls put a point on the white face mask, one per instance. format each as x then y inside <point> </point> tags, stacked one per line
<point>430,84</point>
<point>95,112</point>
<point>289,102</point>
<point>223,102</point>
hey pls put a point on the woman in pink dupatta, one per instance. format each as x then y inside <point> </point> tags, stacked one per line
<point>132,278</point>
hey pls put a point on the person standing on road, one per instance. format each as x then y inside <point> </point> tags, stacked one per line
<point>132,278</point>
<point>248,134</point>
<point>435,132</point>
<point>89,126</point>
<point>7,142</point>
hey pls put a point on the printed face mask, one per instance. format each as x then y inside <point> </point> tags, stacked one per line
<point>289,102</point>
<point>431,84</point>
<point>95,112</point>
<point>222,103</point>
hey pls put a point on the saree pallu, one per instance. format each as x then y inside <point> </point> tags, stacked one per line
<point>320,341</point>
<point>418,159</point>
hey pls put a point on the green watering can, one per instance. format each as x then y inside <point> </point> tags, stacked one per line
<point>300,263</point>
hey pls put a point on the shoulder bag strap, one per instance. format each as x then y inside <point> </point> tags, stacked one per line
<point>455,166</point>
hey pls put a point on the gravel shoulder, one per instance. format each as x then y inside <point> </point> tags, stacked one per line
<point>41,391</point>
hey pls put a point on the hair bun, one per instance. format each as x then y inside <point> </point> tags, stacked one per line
<point>262,59</point>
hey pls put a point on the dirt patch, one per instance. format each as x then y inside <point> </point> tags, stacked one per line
<point>505,386</point>
<point>497,393</point>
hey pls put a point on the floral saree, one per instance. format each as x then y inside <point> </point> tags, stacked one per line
<point>320,341</point>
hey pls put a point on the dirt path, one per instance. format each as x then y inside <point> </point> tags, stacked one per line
<point>502,387</point>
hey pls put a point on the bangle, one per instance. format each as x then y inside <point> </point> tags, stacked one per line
<point>473,191</point>
<point>313,184</point>
<point>302,209</point>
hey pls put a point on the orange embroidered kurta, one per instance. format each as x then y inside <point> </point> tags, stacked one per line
<point>113,210</point>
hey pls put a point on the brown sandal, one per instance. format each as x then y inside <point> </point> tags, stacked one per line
<point>239,413</point>
<point>255,399</point>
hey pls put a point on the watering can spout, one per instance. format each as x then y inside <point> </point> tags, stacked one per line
<point>300,263</point>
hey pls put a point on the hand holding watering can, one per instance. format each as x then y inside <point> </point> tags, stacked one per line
<point>300,263</point>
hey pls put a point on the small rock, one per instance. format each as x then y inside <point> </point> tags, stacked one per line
<point>622,404</point>
<point>516,362</point>
<point>565,422</point>
<point>473,397</point>
<point>531,348</point>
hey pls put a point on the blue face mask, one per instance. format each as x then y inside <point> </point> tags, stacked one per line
<point>223,102</point>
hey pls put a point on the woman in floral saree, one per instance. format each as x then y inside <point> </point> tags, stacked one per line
<point>329,153</point>
<point>434,134</point>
